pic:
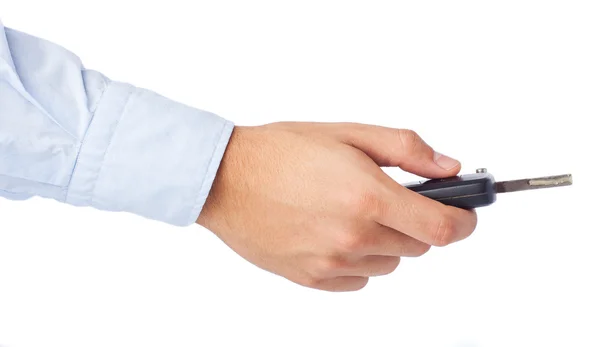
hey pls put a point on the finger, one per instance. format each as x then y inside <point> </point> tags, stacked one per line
<point>372,265</point>
<point>344,266</point>
<point>342,284</point>
<point>398,147</point>
<point>383,240</point>
<point>422,218</point>
<point>392,242</point>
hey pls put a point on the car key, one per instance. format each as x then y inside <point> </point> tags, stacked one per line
<point>471,191</point>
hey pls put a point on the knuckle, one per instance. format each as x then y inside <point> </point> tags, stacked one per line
<point>369,204</point>
<point>350,243</point>
<point>353,285</point>
<point>363,283</point>
<point>409,140</point>
<point>421,249</point>
<point>309,281</point>
<point>361,200</point>
<point>391,266</point>
<point>330,265</point>
<point>445,232</point>
<point>351,201</point>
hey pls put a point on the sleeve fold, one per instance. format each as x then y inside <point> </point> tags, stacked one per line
<point>76,136</point>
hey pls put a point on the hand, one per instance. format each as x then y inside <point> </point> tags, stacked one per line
<point>309,201</point>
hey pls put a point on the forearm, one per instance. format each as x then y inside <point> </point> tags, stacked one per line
<point>76,136</point>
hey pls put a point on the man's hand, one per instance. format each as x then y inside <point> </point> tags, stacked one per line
<point>309,201</point>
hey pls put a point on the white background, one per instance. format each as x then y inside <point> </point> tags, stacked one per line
<point>509,85</point>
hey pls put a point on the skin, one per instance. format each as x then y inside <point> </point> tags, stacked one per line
<point>310,202</point>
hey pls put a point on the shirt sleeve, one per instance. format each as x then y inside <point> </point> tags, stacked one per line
<point>73,135</point>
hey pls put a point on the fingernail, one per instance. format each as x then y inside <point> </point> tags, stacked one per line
<point>445,162</point>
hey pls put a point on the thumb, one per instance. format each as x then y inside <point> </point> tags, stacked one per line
<point>402,148</point>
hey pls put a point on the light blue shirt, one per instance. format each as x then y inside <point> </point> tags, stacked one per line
<point>73,135</point>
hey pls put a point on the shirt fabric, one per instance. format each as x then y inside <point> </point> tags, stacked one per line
<point>73,135</point>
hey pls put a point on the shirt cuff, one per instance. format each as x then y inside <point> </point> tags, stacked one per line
<point>148,155</point>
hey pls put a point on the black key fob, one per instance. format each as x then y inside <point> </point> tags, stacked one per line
<point>467,191</point>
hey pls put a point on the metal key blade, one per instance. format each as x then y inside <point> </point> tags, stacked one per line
<point>534,183</point>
